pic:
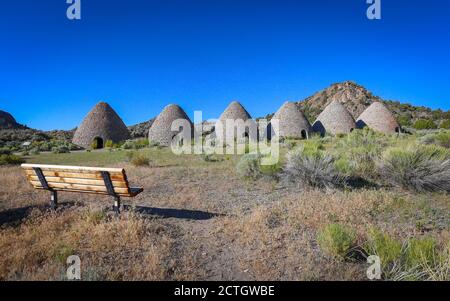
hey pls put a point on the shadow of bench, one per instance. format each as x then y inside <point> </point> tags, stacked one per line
<point>174,213</point>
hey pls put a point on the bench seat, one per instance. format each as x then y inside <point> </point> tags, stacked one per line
<point>80,179</point>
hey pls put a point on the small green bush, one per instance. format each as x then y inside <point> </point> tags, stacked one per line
<point>443,139</point>
<point>249,166</point>
<point>211,158</point>
<point>271,170</point>
<point>343,166</point>
<point>11,160</point>
<point>404,120</point>
<point>312,146</point>
<point>365,136</point>
<point>413,259</point>
<point>138,144</point>
<point>109,144</point>
<point>290,144</point>
<point>445,124</point>
<point>387,248</point>
<point>336,240</point>
<point>357,152</point>
<point>61,150</point>
<point>424,124</point>
<point>421,252</point>
<point>62,252</point>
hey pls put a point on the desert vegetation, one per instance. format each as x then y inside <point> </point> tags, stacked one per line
<point>316,215</point>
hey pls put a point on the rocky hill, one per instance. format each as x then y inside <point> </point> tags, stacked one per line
<point>7,121</point>
<point>353,96</point>
<point>356,99</point>
<point>140,130</point>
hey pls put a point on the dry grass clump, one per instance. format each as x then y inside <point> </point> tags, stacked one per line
<point>419,168</point>
<point>138,159</point>
<point>314,169</point>
<point>110,249</point>
<point>15,190</point>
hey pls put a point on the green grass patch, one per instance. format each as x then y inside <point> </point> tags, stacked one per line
<point>336,240</point>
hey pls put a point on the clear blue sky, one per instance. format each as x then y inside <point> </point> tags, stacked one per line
<point>140,55</point>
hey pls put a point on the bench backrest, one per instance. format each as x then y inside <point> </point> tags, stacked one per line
<point>78,179</point>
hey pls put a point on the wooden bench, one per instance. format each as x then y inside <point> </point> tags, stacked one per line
<point>92,180</point>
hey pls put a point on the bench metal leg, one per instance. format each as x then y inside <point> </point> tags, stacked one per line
<point>54,199</point>
<point>116,207</point>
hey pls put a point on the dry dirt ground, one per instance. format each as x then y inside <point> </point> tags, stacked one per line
<point>196,220</point>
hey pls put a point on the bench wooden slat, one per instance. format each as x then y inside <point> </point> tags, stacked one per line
<point>91,188</point>
<point>120,184</point>
<point>80,169</point>
<point>93,175</point>
<point>129,194</point>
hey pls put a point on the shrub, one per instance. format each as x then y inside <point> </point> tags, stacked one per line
<point>62,252</point>
<point>359,137</point>
<point>316,169</point>
<point>249,166</point>
<point>336,240</point>
<point>421,252</point>
<point>139,159</point>
<point>443,139</point>
<point>312,146</point>
<point>358,151</point>
<point>421,168</point>
<point>445,124</point>
<point>61,150</point>
<point>414,259</point>
<point>271,170</point>
<point>95,144</point>
<point>343,166</point>
<point>109,144</point>
<point>404,120</point>
<point>211,158</point>
<point>128,145</point>
<point>289,144</point>
<point>137,144</point>
<point>5,151</point>
<point>424,124</point>
<point>387,248</point>
<point>10,160</point>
